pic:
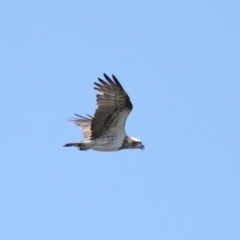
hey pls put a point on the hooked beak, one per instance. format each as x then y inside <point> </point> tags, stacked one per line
<point>142,147</point>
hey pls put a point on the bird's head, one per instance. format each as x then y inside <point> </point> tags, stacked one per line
<point>132,143</point>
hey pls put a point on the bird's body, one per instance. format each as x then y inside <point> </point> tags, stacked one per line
<point>105,131</point>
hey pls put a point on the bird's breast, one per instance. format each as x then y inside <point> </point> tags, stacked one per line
<point>108,142</point>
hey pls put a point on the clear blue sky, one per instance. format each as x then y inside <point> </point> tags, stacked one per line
<point>180,63</point>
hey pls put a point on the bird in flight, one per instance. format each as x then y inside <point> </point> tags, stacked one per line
<point>105,131</point>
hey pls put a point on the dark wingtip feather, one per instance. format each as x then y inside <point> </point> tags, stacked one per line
<point>108,79</point>
<point>85,118</point>
<point>89,115</point>
<point>117,82</point>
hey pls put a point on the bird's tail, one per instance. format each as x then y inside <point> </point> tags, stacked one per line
<point>83,145</point>
<point>76,144</point>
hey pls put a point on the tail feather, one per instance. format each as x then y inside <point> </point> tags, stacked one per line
<point>71,145</point>
<point>83,145</point>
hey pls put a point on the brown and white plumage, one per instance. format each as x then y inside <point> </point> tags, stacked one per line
<point>105,131</point>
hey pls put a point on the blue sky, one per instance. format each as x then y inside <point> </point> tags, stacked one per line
<point>179,62</point>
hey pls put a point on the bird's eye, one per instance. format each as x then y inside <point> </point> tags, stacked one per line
<point>140,142</point>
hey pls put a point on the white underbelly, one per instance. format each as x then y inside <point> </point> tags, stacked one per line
<point>107,148</point>
<point>108,143</point>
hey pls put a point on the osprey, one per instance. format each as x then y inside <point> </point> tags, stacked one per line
<point>105,131</point>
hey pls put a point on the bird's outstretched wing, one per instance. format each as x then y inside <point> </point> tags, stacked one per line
<point>114,106</point>
<point>85,124</point>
